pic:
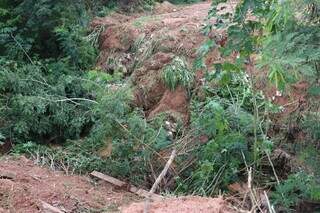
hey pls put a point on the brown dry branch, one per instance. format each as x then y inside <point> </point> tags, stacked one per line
<point>158,180</point>
<point>121,184</point>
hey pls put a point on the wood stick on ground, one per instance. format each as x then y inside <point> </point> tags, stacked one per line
<point>158,180</point>
<point>120,183</point>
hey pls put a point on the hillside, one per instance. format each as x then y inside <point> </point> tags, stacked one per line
<point>152,106</point>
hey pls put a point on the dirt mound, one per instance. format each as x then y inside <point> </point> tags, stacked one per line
<point>24,187</point>
<point>149,87</point>
<point>182,205</point>
<point>145,44</point>
<point>175,103</point>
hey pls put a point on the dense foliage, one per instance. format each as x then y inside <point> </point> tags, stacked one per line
<point>284,38</point>
<point>44,51</point>
<point>177,74</point>
<point>43,102</point>
<point>297,187</point>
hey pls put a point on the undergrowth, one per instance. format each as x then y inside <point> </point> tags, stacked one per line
<point>121,142</point>
<point>283,37</point>
<point>222,122</point>
<point>177,73</point>
<point>298,187</point>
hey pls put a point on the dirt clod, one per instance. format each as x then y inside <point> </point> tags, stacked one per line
<point>173,102</point>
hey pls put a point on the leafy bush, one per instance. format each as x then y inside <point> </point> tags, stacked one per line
<point>47,97</point>
<point>75,46</point>
<point>105,134</point>
<point>136,5</point>
<point>177,73</point>
<point>209,119</point>
<point>23,27</point>
<point>224,115</point>
<point>44,102</point>
<point>219,164</point>
<point>297,187</point>
<point>120,143</point>
<point>289,54</point>
<point>284,37</point>
<point>232,90</point>
<point>43,48</point>
<point>229,129</point>
<point>240,120</point>
<point>285,42</point>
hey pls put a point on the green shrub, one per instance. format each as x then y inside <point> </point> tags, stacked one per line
<point>224,117</point>
<point>177,73</point>
<point>134,143</point>
<point>45,95</point>
<point>209,119</point>
<point>297,187</point>
<point>136,5</point>
<point>240,120</point>
<point>219,164</point>
<point>112,121</point>
<point>24,26</point>
<point>310,157</point>
<point>75,47</point>
<point>228,129</point>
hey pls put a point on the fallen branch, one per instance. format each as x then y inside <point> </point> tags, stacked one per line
<point>123,184</point>
<point>158,180</point>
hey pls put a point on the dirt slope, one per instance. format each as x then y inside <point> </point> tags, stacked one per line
<point>143,44</point>
<point>23,187</point>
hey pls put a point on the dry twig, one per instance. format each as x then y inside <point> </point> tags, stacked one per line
<point>158,180</point>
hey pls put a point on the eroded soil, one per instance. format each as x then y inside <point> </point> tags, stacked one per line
<point>24,187</point>
<point>144,44</point>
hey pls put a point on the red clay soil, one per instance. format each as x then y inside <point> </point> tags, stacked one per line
<point>147,80</point>
<point>179,30</point>
<point>169,31</point>
<point>182,205</point>
<point>292,100</point>
<point>23,187</point>
<point>162,34</point>
<point>175,102</point>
